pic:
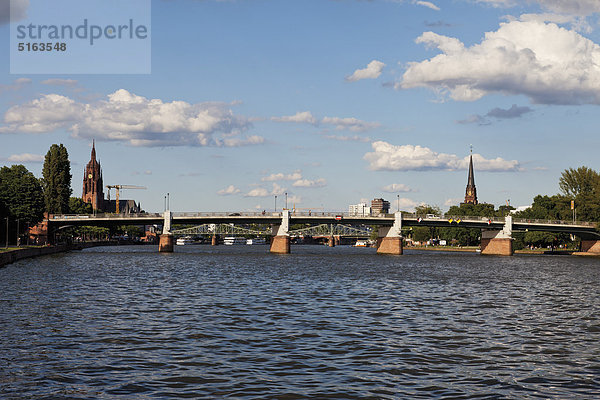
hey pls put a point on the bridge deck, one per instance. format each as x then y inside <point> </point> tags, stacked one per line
<point>198,218</point>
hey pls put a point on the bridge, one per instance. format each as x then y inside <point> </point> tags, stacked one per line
<point>496,232</point>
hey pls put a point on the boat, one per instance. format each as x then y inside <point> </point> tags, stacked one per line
<point>256,241</point>
<point>231,240</point>
<point>184,240</point>
<point>361,243</point>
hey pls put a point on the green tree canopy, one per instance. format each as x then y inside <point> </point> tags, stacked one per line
<point>582,180</point>
<point>78,206</point>
<point>56,180</point>
<point>425,209</point>
<point>472,210</point>
<point>21,195</point>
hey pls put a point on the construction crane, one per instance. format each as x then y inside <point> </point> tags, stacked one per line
<point>118,188</point>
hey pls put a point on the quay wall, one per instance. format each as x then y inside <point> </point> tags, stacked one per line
<point>20,254</point>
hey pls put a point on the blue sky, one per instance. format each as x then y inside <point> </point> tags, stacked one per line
<point>329,101</point>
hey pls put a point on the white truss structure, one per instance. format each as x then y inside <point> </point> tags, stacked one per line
<point>220,229</point>
<point>333,230</point>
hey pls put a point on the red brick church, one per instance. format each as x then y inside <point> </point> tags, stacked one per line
<point>92,182</point>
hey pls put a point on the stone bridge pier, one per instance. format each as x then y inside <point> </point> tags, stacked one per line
<point>589,247</point>
<point>280,242</point>
<point>165,242</point>
<point>389,240</point>
<point>498,242</point>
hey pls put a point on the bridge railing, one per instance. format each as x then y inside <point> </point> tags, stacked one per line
<point>326,214</point>
<point>552,222</point>
<point>106,215</point>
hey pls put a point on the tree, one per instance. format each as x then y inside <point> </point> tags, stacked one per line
<point>21,196</point>
<point>78,206</point>
<point>472,210</point>
<point>425,209</point>
<point>462,236</point>
<point>582,180</point>
<point>422,233</point>
<point>56,180</point>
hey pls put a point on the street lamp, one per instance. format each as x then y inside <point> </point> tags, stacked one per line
<point>286,207</point>
<point>398,203</point>
<point>275,203</point>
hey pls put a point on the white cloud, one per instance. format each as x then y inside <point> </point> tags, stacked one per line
<point>278,190</point>
<point>388,157</point>
<point>299,117</point>
<point>60,82</point>
<point>427,4</point>
<point>283,177</point>
<point>16,85</point>
<point>307,183</point>
<point>547,63</point>
<point>405,204</point>
<point>25,158</point>
<point>237,142</point>
<point>372,71</point>
<point>396,188</point>
<point>262,192</point>
<point>352,124</point>
<point>258,192</point>
<point>229,190</point>
<point>132,119</point>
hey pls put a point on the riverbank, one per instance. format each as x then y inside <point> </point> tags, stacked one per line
<point>15,254</point>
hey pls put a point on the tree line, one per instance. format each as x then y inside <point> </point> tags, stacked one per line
<point>24,198</point>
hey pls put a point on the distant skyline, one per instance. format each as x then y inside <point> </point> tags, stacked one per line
<point>333,102</point>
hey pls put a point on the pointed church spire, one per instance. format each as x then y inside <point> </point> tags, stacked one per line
<point>471,192</point>
<point>471,180</point>
<point>93,149</point>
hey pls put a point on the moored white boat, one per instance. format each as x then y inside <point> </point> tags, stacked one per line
<point>361,243</point>
<point>231,240</point>
<point>185,240</point>
<point>256,241</point>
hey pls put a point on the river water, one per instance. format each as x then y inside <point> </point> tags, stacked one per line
<point>346,323</point>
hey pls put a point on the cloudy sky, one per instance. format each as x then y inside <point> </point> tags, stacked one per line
<point>330,101</point>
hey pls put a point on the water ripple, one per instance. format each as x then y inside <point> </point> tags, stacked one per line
<point>237,322</point>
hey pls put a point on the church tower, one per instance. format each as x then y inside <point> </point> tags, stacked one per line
<point>92,182</point>
<point>471,192</point>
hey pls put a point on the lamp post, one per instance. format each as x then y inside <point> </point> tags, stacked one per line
<point>168,201</point>
<point>286,207</point>
<point>18,240</point>
<point>165,207</point>
<point>275,203</point>
<point>398,203</point>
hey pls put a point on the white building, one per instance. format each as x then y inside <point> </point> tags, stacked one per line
<point>359,210</point>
